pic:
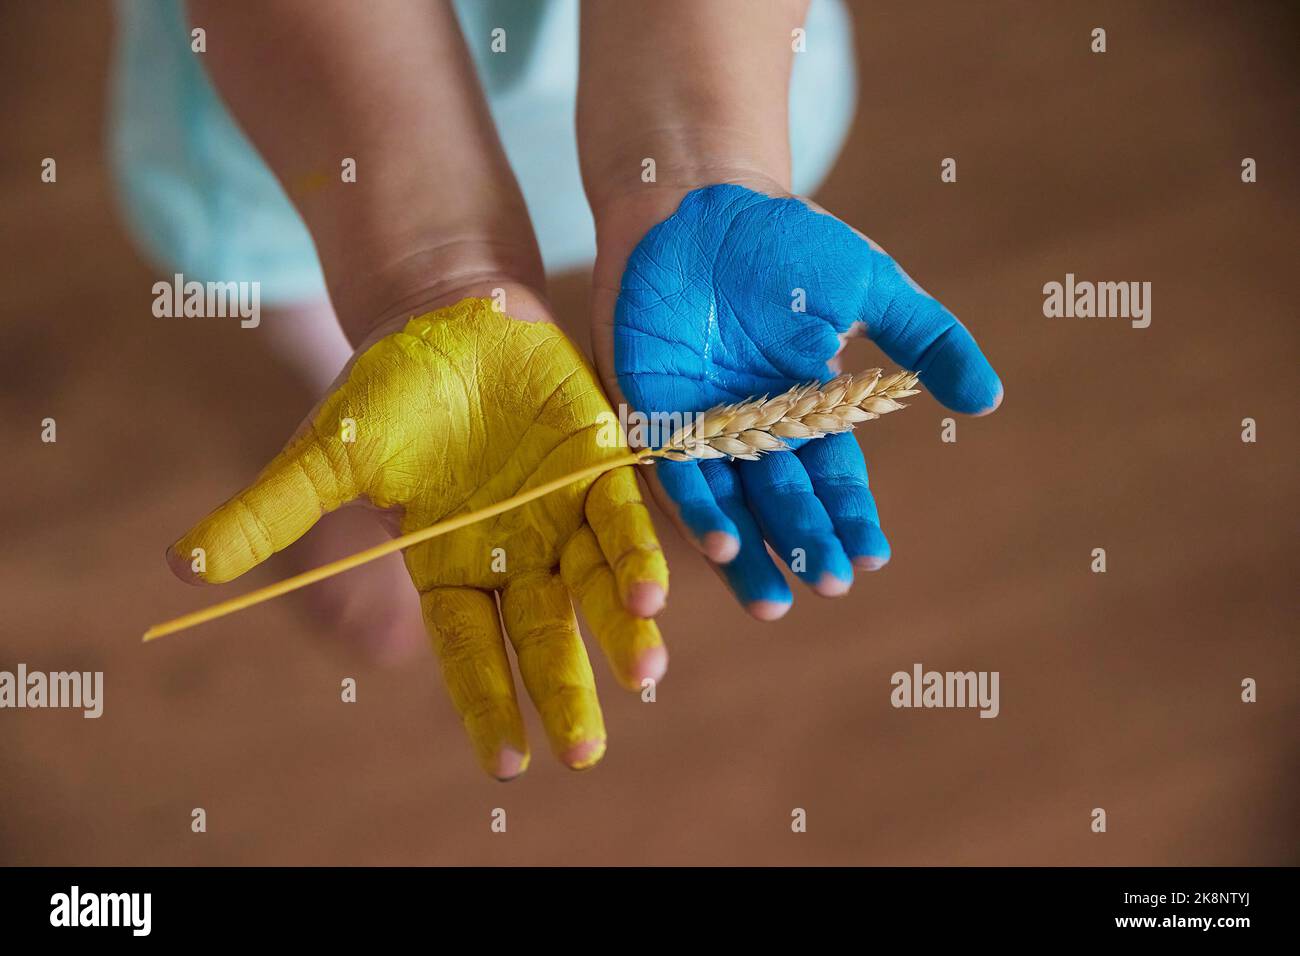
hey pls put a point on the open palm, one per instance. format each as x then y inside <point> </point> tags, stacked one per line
<point>738,294</point>
<point>463,408</point>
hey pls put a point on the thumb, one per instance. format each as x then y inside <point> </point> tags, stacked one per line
<point>919,333</point>
<point>300,484</point>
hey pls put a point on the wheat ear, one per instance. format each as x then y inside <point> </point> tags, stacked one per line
<point>758,426</point>
<point>745,430</point>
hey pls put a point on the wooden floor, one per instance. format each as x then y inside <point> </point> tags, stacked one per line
<point>1118,690</point>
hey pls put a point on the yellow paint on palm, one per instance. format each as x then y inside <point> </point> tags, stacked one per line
<point>463,408</point>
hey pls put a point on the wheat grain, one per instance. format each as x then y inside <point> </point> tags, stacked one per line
<point>757,426</point>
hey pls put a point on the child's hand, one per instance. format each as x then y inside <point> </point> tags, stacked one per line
<point>740,293</point>
<point>462,408</point>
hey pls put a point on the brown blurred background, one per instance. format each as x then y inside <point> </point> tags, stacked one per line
<point>1119,690</point>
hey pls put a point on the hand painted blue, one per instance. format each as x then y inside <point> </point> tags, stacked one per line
<point>710,312</point>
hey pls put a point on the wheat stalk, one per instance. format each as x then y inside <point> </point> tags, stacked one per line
<point>758,426</point>
<point>744,430</point>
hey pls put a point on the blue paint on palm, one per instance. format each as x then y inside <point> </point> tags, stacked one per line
<point>740,294</point>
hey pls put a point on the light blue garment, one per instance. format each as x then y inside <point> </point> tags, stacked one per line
<point>199,200</point>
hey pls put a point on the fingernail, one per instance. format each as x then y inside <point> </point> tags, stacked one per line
<point>181,567</point>
<point>767,610</point>
<point>651,665</point>
<point>996,402</point>
<point>828,585</point>
<point>720,547</point>
<point>510,763</point>
<point>869,562</point>
<point>584,755</point>
<point>646,599</point>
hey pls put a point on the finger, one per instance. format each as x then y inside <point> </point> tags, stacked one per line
<point>918,333</point>
<point>632,645</point>
<point>280,506</point>
<point>756,582</point>
<point>711,529</point>
<point>780,493</point>
<point>553,663</point>
<point>466,634</point>
<point>839,479</point>
<point>627,538</point>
